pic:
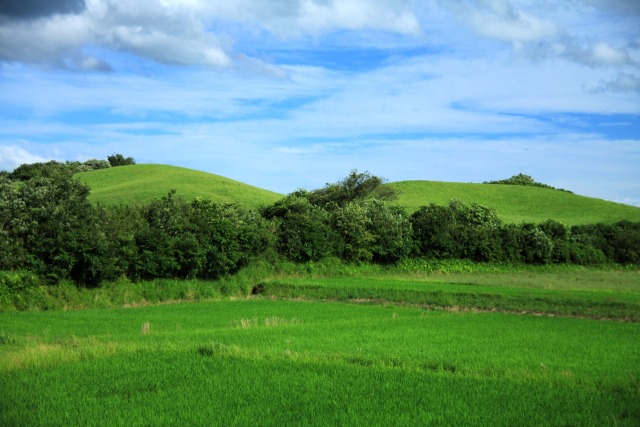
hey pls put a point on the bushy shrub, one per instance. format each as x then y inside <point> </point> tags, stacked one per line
<point>560,238</point>
<point>619,242</point>
<point>200,239</point>
<point>433,230</point>
<point>457,231</point>
<point>525,180</point>
<point>353,226</point>
<point>391,230</point>
<point>537,246</point>
<point>356,187</point>
<point>120,160</point>
<point>302,230</point>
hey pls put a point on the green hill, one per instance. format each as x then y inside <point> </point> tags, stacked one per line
<point>141,183</point>
<point>516,204</point>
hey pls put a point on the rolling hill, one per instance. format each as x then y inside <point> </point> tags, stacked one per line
<point>142,183</point>
<point>516,204</point>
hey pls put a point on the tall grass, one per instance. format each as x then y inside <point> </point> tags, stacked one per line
<point>439,283</point>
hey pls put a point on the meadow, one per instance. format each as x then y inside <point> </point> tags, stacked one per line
<point>516,204</point>
<point>139,184</point>
<point>326,344</point>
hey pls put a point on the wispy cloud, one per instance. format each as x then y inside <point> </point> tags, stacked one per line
<point>294,93</point>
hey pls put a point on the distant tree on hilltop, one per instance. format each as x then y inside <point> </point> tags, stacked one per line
<point>120,160</point>
<point>524,180</point>
<point>356,187</point>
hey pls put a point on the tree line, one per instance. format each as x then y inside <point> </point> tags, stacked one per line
<point>48,226</point>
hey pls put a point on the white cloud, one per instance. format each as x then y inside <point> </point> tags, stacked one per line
<point>186,32</point>
<point>12,156</point>
<point>597,54</point>
<point>623,83</point>
<point>501,20</point>
<point>498,88</point>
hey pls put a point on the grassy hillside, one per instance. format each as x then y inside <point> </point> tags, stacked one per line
<point>142,183</point>
<point>516,204</point>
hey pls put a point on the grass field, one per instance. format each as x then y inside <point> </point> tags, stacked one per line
<point>516,204</point>
<point>143,183</point>
<point>377,347</point>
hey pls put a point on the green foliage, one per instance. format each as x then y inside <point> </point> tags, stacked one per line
<point>51,170</point>
<point>537,246</point>
<point>560,236</point>
<point>13,222</point>
<point>356,187</point>
<point>93,164</point>
<point>524,180</point>
<point>53,229</point>
<point>55,170</point>
<point>458,231</point>
<point>619,242</point>
<point>48,226</point>
<point>197,239</point>
<point>120,160</point>
<point>391,230</point>
<point>302,229</point>
<point>352,222</point>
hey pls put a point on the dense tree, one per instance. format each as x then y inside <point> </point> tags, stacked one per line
<point>14,222</point>
<point>60,235</point>
<point>525,180</point>
<point>352,223</point>
<point>52,170</point>
<point>47,226</point>
<point>302,229</point>
<point>458,231</point>
<point>120,160</point>
<point>391,230</point>
<point>356,187</point>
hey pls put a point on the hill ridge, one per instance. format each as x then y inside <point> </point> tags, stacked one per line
<point>141,183</point>
<point>515,203</point>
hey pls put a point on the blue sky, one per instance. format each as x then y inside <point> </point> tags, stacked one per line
<point>285,94</point>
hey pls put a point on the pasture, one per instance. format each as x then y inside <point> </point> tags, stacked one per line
<point>516,204</point>
<point>310,349</point>
<point>139,184</point>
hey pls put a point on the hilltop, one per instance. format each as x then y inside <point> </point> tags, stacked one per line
<point>516,204</point>
<point>139,184</point>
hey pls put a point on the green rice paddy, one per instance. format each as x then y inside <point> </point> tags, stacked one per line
<point>289,356</point>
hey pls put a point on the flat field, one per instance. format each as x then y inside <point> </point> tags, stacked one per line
<point>314,351</point>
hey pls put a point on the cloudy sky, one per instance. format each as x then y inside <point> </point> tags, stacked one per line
<point>284,94</point>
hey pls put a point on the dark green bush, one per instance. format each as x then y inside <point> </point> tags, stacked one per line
<point>391,231</point>
<point>303,231</point>
<point>352,223</point>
